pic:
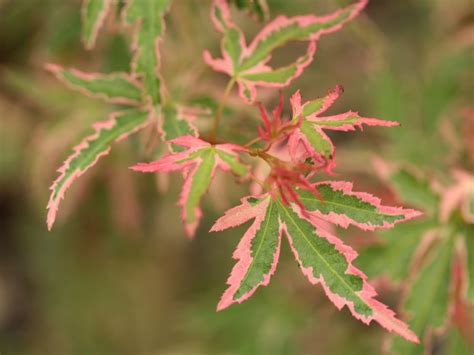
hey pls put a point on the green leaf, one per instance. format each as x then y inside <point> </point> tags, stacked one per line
<point>414,191</point>
<point>149,16</point>
<point>443,86</point>
<point>116,88</point>
<point>394,255</point>
<point>91,149</point>
<point>456,344</point>
<point>427,301</point>
<point>93,15</point>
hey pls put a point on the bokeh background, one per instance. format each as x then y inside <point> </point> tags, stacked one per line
<point>116,275</point>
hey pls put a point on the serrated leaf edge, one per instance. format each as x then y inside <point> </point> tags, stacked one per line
<point>53,203</point>
<point>89,43</point>
<point>382,314</point>
<point>345,221</point>
<point>56,71</point>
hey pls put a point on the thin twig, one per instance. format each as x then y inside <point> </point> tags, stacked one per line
<point>252,142</point>
<point>217,118</point>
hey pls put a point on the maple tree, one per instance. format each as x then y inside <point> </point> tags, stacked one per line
<point>290,201</point>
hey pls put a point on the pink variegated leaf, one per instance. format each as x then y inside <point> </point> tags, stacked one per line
<point>198,162</point>
<point>266,76</point>
<point>93,13</point>
<point>258,250</point>
<point>340,205</point>
<point>311,135</point>
<point>147,17</point>
<point>118,88</point>
<point>323,258</point>
<point>91,149</point>
<point>326,260</point>
<point>460,195</point>
<point>248,64</point>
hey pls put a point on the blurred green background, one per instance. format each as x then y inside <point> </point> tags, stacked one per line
<point>116,275</point>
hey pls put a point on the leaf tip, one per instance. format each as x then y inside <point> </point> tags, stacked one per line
<point>223,304</point>
<point>190,229</point>
<point>51,217</point>
<point>338,90</point>
<point>214,228</point>
<point>144,167</point>
<point>52,68</point>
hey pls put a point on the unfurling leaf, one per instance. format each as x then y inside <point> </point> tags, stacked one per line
<point>198,164</point>
<point>248,65</point>
<point>147,15</point>
<point>323,258</point>
<point>91,149</point>
<point>311,136</point>
<point>116,88</point>
<point>93,15</point>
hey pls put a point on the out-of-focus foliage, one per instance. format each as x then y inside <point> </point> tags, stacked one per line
<point>257,7</point>
<point>432,259</point>
<point>114,280</point>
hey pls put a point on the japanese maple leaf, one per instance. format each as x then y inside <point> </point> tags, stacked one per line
<point>310,132</point>
<point>117,88</point>
<point>248,64</point>
<point>93,13</point>
<point>459,195</point>
<point>147,18</point>
<point>438,254</point>
<point>198,162</point>
<point>324,259</point>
